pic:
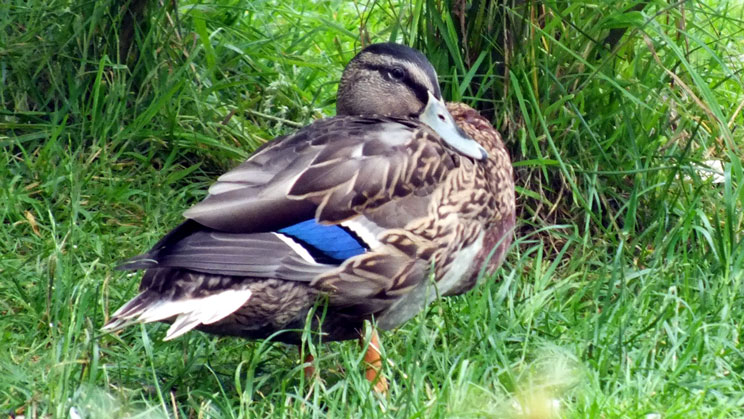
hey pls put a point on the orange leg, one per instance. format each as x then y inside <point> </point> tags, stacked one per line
<point>373,361</point>
<point>309,369</point>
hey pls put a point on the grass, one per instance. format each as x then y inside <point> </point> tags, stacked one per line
<point>622,296</point>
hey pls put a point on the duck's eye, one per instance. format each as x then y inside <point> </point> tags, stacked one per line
<point>396,73</point>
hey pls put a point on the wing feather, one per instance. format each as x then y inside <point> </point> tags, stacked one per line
<point>332,170</point>
<point>256,255</point>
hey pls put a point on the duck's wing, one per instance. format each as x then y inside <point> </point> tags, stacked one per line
<point>297,207</point>
<point>330,171</point>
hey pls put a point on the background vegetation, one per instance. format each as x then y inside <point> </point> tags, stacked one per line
<point>622,296</point>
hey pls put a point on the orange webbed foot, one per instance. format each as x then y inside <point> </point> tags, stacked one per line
<point>373,363</point>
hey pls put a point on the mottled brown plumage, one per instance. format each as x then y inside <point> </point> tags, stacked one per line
<point>354,212</point>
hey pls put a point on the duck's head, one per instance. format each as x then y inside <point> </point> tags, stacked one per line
<point>395,80</point>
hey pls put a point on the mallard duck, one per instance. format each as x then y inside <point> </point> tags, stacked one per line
<point>376,211</point>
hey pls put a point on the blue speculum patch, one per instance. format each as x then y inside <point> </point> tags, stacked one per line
<point>325,242</point>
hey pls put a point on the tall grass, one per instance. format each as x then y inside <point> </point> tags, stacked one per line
<point>622,295</point>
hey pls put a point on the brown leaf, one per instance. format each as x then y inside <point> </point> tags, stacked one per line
<point>32,221</point>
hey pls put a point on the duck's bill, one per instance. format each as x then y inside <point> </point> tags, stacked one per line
<point>437,116</point>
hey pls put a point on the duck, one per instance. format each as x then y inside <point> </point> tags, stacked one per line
<point>371,215</point>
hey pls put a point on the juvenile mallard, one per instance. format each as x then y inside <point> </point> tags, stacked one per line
<point>361,210</point>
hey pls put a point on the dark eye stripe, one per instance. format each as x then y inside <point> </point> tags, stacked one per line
<point>418,89</point>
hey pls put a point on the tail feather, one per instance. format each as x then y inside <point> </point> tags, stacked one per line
<point>183,324</point>
<point>128,314</point>
<point>190,312</point>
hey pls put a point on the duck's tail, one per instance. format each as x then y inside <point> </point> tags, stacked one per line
<point>189,307</point>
